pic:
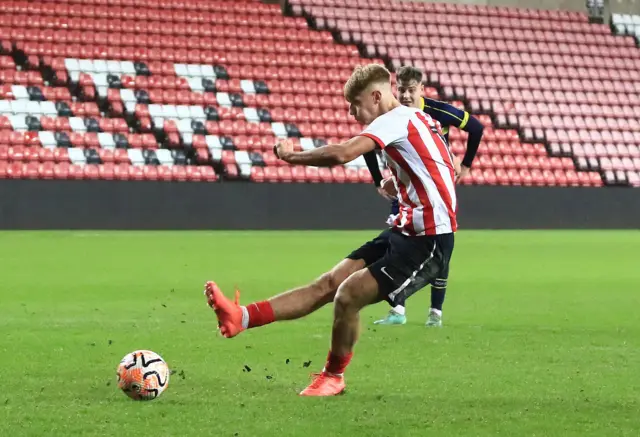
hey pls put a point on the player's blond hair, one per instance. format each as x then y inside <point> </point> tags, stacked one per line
<point>362,77</point>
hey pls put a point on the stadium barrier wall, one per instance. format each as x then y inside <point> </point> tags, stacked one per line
<point>35,204</point>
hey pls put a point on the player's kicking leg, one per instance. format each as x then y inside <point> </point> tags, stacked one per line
<point>293,304</point>
<point>410,262</point>
<point>296,303</point>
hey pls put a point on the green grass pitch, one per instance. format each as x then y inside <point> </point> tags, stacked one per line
<point>541,338</point>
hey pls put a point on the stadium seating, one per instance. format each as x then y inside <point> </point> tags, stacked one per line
<point>166,90</point>
<point>625,24</point>
<point>539,72</point>
<point>198,91</point>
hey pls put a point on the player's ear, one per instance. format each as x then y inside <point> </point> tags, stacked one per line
<point>377,96</point>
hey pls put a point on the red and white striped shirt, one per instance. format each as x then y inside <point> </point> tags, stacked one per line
<point>419,158</point>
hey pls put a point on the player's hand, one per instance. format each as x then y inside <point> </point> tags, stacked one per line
<point>457,163</point>
<point>387,189</point>
<point>464,172</point>
<point>283,149</point>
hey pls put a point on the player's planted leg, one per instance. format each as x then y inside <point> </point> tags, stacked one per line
<point>293,304</point>
<point>360,290</point>
<point>395,316</point>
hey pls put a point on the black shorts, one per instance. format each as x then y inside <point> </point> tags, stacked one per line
<point>403,265</point>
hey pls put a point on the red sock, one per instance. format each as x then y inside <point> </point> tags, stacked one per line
<point>337,364</point>
<point>260,313</point>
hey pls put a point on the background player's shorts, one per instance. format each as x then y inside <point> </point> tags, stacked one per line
<point>403,265</point>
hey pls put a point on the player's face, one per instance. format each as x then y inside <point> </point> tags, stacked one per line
<point>410,92</point>
<point>366,106</point>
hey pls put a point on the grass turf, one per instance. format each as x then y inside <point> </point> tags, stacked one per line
<point>541,338</point>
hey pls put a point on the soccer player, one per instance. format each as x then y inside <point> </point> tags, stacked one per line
<point>420,241</point>
<point>410,93</point>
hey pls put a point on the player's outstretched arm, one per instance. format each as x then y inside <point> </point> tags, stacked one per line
<point>325,156</point>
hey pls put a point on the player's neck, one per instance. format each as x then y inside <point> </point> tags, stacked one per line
<point>390,106</point>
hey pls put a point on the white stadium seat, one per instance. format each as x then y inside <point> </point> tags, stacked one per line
<point>181,70</point>
<point>278,129</point>
<point>194,70</point>
<point>183,111</point>
<point>77,124</point>
<point>86,66</point>
<point>135,156</point>
<point>251,114</point>
<point>223,99</point>
<point>164,156</point>
<point>18,122</point>
<point>47,139</point>
<point>76,155</point>
<point>197,113</point>
<point>20,92</point>
<point>106,140</point>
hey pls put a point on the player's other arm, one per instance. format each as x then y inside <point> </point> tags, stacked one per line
<point>386,187</point>
<point>372,163</point>
<point>449,115</point>
<point>475,130</point>
<point>326,156</point>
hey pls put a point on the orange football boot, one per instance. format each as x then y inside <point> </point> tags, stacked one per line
<point>229,313</point>
<point>324,384</point>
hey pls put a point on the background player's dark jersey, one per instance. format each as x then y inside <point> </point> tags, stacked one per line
<point>448,116</point>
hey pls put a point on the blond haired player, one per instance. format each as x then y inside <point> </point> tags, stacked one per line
<point>420,241</point>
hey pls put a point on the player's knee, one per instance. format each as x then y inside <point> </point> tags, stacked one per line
<point>327,284</point>
<point>345,297</point>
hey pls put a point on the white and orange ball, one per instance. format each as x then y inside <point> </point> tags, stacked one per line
<point>143,375</point>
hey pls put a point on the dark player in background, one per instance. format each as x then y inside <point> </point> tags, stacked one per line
<point>410,93</point>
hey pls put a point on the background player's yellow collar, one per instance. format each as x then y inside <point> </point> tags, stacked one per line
<point>422,103</point>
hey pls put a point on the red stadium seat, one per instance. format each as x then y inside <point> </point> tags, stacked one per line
<point>298,174</point>
<point>91,171</point>
<point>46,170</point>
<point>136,173</point>
<point>284,174</point>
<point>106,171</point>
<point>121,172</point>
<point>312,174</point>
<point>150,173</point>
<point>257,174</point>
<point>351,175</point>
<point>271,174</point>
<point>14,170</point>
<point>163,173</point>
<point>339,175</point>
<point>75,172</point>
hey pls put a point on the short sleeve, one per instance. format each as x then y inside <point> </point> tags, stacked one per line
<point>385,130</point>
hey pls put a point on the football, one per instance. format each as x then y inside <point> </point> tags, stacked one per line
<point>143,375</point>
